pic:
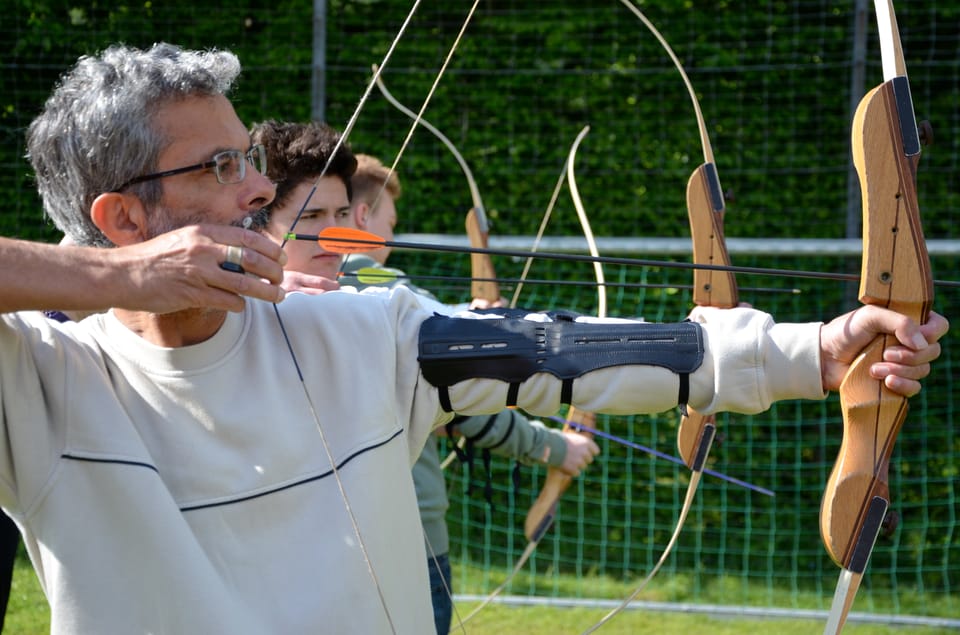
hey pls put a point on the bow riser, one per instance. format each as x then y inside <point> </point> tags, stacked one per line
<point>872,418</point>
<point>706,210</point>
<point>896,275</point>
<point>481,264</point>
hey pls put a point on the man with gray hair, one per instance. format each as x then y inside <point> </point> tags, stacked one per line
<point>179,462</point>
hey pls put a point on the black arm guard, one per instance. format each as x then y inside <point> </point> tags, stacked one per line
<point>511,350</point>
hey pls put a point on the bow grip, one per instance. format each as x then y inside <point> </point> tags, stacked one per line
<point>872,418</point>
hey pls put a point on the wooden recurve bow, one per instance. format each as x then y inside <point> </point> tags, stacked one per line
<point>543,512</point>
<point>705,208</point>
<point>484,287</point>
<point>895,274</point>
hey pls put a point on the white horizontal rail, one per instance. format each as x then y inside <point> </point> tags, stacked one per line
<point>718,610</point>
<point>620,246</point>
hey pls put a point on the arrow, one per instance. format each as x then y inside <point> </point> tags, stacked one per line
<point>346,240</point>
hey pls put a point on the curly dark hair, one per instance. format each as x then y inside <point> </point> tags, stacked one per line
<point>297,152</point>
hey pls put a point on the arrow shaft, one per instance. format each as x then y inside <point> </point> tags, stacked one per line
<point>387,277</point>
<point>353,245</point>
<point>661,455</point>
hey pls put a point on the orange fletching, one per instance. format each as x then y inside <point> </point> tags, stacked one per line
<point>347,240</point>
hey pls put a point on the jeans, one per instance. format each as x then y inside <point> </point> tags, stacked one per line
<point>441,592</point>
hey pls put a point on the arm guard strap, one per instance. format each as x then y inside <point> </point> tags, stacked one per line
<point>511,350</point>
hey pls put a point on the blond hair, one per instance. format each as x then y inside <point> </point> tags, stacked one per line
<point>371,177</point>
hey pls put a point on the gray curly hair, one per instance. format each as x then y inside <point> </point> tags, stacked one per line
<point>96,132</point>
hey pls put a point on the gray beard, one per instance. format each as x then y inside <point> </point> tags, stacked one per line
<point>160,222</point>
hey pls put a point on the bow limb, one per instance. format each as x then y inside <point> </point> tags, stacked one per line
<point>585,224</point>
<point>705,209</point>
<point>542,513</point>
<point>895,274</point>
<point>478,228</point>
<point>482,272</point>
<point>467,172</point>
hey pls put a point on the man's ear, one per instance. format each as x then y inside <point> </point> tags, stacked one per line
<point>121,217</point>
<point>361,214</point>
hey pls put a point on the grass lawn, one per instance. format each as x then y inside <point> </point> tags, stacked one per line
<point>502,620</point>
<point>27,614</point>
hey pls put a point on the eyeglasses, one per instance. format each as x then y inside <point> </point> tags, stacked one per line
<point>229,165</point>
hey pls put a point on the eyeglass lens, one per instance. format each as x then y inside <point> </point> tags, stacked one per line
<point>231,165</point>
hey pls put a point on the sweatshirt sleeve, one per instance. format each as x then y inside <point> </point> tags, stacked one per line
<point>748,363</point>
<point>509,433</point>
<point>755,362</point>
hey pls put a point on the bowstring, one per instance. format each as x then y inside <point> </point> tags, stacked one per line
<point>345,134</point>
<point>378,70</point>
<point>312,407</point>
<point>393,166</point>
<point>426,101</point>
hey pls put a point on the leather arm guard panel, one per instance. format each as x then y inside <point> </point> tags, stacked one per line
<point>511,350</point>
